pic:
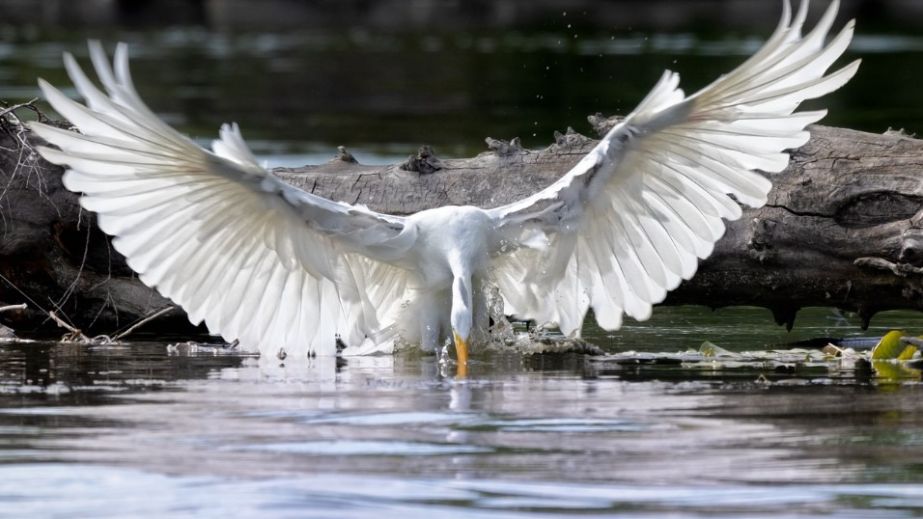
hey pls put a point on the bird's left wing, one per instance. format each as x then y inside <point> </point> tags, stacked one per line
<point>258,260</point>
<point>632,218</point>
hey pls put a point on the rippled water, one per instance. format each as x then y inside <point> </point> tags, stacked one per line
<point>147,429</point>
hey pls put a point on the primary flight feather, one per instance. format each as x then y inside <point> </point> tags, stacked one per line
<point>282,270</point>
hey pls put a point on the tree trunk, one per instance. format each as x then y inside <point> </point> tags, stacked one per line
<point>843,226</point>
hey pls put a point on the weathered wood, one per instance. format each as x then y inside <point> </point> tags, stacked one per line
<point>843,227</point>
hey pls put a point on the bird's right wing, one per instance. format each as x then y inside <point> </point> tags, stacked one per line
<point>631,220</point>
<point>259,261</point>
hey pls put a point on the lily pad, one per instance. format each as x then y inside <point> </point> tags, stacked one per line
<point>890,347</point>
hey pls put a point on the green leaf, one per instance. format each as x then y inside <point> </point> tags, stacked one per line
<point>889,357</point>
<point>889,347</point>
<point>909,351</point>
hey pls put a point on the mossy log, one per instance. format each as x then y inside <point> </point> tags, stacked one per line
<point>843,227</point>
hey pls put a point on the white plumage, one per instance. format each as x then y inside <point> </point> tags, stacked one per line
<point>281,269</point>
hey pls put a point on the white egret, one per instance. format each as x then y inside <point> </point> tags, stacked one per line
<point>280,269</point>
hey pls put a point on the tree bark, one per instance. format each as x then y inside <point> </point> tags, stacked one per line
<point>843,227</point>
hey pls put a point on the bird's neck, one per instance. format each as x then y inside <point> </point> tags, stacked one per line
<point>462,315</point>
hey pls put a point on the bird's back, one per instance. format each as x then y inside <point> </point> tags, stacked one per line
<point>451,237</point>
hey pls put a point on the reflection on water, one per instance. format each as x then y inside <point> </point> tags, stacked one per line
<point>145,429</point>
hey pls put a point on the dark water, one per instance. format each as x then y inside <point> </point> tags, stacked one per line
<point>147,430</point>
<point>307,92</point>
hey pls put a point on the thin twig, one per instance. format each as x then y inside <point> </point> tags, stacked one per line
<point>13,307</point>
<point>62,324</point>
<point>140,323</point>
<point>30,105</point>
<point>75,335</point>
<point>23,294</point>
<point>83,262</point>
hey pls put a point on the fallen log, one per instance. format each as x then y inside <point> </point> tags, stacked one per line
<point>843,227</point>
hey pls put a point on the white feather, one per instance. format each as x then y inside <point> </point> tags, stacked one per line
<point>658,185</point>
<point>216,233</point>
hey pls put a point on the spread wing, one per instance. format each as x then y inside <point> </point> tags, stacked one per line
<point>631,220</point>
<point>258,260</point>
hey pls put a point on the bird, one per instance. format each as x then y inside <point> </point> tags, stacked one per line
<point>285,272</point>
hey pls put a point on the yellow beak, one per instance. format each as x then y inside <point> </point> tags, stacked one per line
<point>461,350</point>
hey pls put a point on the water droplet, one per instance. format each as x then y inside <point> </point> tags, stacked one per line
<point>568,26</point>
<point>564,13</point>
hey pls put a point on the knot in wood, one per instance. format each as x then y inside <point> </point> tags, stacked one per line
<point>877,207</point>
<point>424,162</point>
<point>759,246</point>
<point>912,247</point>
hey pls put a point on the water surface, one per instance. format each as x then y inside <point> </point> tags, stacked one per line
<point>176,431</point>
